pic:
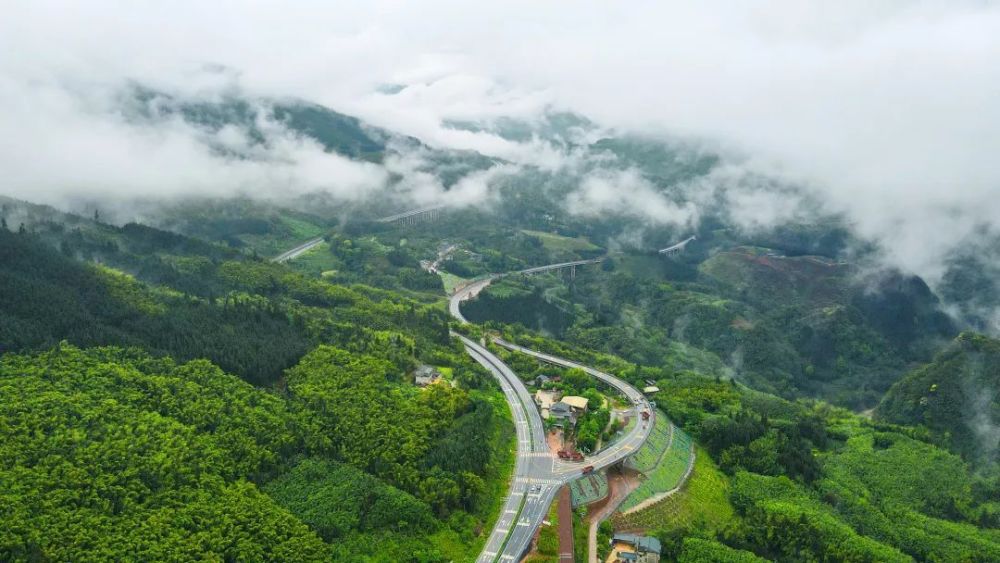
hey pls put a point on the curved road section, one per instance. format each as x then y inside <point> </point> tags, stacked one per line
<point>621,448</point>
<point>467,291</point>
<point>534,485</point>
<point>537,473</point>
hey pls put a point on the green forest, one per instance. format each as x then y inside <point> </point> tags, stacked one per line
<point>169,392</point>
<point>213,405</point>
<point>804,480</point>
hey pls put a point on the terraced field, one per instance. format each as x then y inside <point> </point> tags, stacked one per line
<point>648,456</point>
<point>702,501</point>
<point>667,474</point>
<point>591,488</point>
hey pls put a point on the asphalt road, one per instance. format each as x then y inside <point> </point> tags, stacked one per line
<point>622,447</point>
<point>464,293</point>
<point>534,484</point>
<point>409,213</point>
<point>537,473</point>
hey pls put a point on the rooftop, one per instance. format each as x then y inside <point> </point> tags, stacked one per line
<point>560,409</point>
<point>641,543</point>
<point>425,375</point>
<point>578,403</point>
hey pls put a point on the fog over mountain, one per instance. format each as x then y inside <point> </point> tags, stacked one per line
<point>885,114</point>
<point>444,282</point>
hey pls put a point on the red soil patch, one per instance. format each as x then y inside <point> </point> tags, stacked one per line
<point>565,525</point>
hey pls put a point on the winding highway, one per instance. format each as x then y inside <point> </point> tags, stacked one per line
<point>473,288</point>
<point>534,484</point>
<point>537,473</point>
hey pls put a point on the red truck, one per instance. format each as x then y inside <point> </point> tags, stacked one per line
<point>588,469</point>
<point>645,415</point>
<point>563,454</point>
<point>576,456</point>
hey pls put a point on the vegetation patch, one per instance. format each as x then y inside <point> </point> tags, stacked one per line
<point>589,489</point>
<point>702,504</point>
<point>668,472</point>
<point>558,243</point>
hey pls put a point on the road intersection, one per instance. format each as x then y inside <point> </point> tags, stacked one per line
<point>538,474</point>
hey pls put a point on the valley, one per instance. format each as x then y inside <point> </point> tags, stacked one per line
<point>420,375</point>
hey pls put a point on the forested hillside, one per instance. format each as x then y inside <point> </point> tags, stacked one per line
<point>796,326</point>
<point>170,393</point>
<point>803,480</point>
<point>112,453</point>
<point>251,317</point>
<point>148,450</point>
<point>957,396</point>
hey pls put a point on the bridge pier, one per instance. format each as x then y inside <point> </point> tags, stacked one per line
<point>413,217</point>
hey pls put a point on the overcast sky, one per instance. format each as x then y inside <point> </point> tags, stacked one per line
<point>889,111</point>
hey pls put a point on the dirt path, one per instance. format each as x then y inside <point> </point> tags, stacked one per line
<point>554,439</point>
<point>565,525</point>
<point>620,484</point>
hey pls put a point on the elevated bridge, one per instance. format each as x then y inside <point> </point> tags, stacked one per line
<point>677,248</point>
<point>429,213</point>
<point>562,265</point>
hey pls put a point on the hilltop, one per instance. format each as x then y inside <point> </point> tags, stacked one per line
<point>957,397</point>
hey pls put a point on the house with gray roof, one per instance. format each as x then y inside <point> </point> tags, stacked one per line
<point>426,375</point>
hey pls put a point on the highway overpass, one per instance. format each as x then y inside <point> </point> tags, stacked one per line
<point>677,248</point>
<point>413,215</point>
<point>538,474</point>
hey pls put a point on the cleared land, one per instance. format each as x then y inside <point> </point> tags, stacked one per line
<point>668,471</point>
<point>702,501</point>
<point>554,242</point>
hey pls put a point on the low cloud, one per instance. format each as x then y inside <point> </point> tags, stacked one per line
<point>627,193</point>
<point>59,142</point>
<point>884,114</point>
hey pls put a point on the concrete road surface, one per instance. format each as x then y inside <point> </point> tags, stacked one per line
<point>537,473</point>
<point>297,251</point>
